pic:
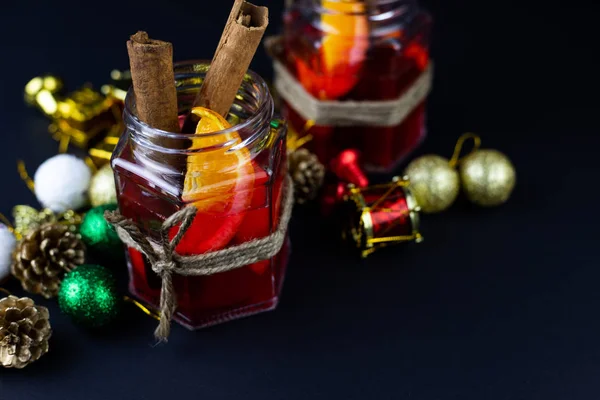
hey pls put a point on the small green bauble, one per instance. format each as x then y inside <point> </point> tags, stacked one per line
<point>102,189</point>
<point>96,233</point>
<point>89,296</point>
<point>433,182</point>
<point>488,177</point>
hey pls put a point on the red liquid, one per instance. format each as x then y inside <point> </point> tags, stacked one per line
<point>208,300</point>
<point>392,65</point>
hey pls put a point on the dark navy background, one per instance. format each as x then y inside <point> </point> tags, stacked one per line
<point>495,304</point>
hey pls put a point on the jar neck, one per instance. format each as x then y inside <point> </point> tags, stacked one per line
<point>365,7</point>
<point>383,15</point>
<point>250,117</point>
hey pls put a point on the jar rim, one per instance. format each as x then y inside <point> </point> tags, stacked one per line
<point>383,16</point>
<point>137,124</point>
<point>400,5</point>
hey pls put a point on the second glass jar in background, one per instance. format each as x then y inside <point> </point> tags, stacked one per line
<point>348,50</point>
<point>234,177</point>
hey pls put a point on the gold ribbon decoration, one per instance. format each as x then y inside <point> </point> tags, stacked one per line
<point>295,140</point>
<point>86,118</point>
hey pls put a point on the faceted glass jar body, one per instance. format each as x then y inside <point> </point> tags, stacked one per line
<point>242,171</point>
<point>349,50</point>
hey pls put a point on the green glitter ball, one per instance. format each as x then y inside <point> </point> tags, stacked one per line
<point>89,296</point>
<point>97,234</point>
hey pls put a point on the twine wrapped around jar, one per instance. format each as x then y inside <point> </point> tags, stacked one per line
<point>165,261</point>
<point>382,113</point>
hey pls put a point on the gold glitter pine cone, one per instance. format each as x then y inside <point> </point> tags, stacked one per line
<point>307,173</point>
<point>44,256</point>
<point>24,332</point>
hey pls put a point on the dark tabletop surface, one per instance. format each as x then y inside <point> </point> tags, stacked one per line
<point>495,304</point>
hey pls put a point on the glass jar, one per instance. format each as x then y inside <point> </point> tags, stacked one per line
<point>242,170</point>
<point>359,50</point>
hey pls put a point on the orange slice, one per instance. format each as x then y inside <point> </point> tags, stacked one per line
<point>345,44</point>
<point>347,40</point>
<point>218,182</point>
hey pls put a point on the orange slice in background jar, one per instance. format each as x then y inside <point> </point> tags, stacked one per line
<point>218,182</point>
<point>345,25</point>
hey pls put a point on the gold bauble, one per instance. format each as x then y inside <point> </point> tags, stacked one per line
<point>488,177</point>
<point>102,187</point>
<point>434,184</point>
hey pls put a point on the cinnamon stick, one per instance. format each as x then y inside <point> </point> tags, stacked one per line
<point>151,63</point>
<point>240,40</point>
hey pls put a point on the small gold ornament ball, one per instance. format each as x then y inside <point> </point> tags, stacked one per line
<point>488,177</point>
<point>102,187</point>
<point>433,182</point>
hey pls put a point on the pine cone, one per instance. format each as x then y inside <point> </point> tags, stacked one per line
<point>307,173</point>
<point>24,332</point>
<point>44,256</point>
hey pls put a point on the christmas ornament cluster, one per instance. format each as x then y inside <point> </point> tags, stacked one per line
<point>64,185</point>
<point>487,177</point>
<point>46,252</point>
<point>429,184</point>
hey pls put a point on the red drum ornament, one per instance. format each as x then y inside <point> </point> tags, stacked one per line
<point>382,215</point>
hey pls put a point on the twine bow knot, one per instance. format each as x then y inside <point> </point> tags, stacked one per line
<point>164,267</point>
<point>165,261</point>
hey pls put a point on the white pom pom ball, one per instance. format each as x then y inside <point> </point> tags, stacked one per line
<point>7,246</point>
<point>61,183</point>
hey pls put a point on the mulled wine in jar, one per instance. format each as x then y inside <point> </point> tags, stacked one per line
<point>359,71</point>
<point>234,176</point>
